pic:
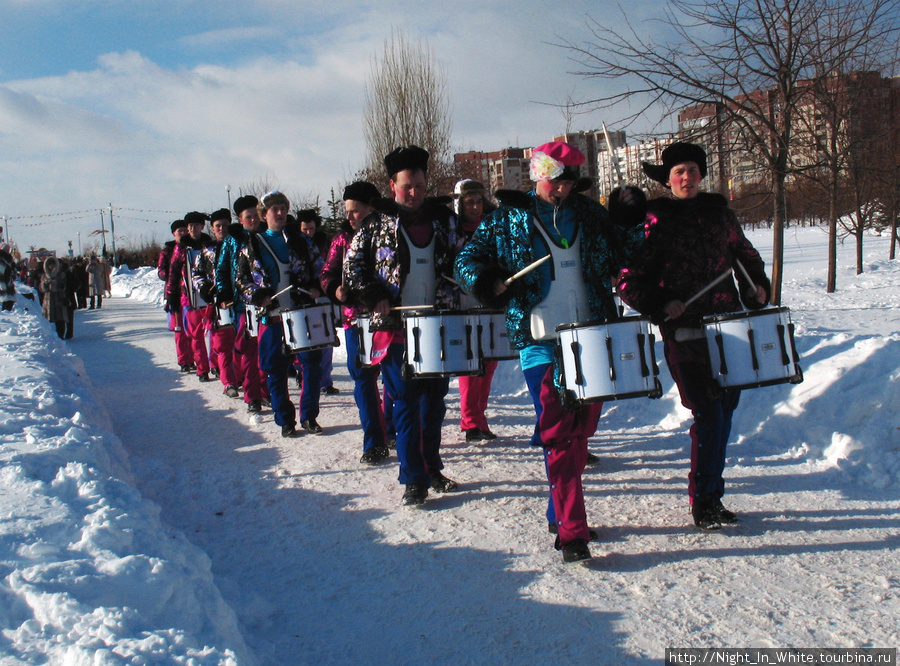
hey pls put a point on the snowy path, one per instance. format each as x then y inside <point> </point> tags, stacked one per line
<point>321,564</point>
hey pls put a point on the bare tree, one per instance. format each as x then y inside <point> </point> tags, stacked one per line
<point>407,102</point>
<point>747,57</point>
<point>841,121</point>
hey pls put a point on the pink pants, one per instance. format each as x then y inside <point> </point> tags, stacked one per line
<point>473,398</point>
<point>196,330</point>
<point>221,352</point>
<point>565,435</point>
<point>183,352</point>
<point>246,361</point>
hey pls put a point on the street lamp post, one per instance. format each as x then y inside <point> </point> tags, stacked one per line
<point>112,230</point>
<point>103,234</point>
<point>228,192</point>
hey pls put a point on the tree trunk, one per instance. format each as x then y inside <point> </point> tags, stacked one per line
<point>859,247</point>
<point>893,233</point>
<point>832,247</point>
<point>778,222</point>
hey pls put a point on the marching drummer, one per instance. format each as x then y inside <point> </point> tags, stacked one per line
<point>278,270</point>
<point>221,338</point>
<point>471,206</point>
<point>586,250</point>
<point>246,350</point>
<point>358,198</point>
<point>180,282</point>
<point>172,290</point>
<point>692,237</point>
<point>404,257</point>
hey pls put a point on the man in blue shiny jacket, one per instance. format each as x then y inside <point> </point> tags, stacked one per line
<point>588,247</point>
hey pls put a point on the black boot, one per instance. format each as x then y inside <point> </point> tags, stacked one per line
<point>415,494</point>
<point>705,513</point>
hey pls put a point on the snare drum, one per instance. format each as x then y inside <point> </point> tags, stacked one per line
<point>252,320</point>
<point>607,361</point>
<point>752,349</point>
<point>442,343</point>
<point>224,317</point>
<point>493,338</point>
<point>365,340</point>
<point>310,327</point>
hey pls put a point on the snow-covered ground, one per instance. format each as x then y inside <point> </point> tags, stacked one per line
<point>146,518</point>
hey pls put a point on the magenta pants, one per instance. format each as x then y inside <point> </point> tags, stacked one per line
<point>565,436</point>
<point>474,392</point>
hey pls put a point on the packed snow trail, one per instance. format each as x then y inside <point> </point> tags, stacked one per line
<point>322,565</point>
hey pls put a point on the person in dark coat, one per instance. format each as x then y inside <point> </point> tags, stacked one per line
<point>692,238</point>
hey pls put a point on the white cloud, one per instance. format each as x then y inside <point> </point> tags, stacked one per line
<point>146,136</point>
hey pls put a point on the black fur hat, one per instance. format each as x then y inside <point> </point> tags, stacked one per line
<point>243,203</point>
<point>195,217</point>
<point>361,191</point>
<point>309,215</point>
<point>221,214</point>
<point>677,153</point>
<point>406,157</point>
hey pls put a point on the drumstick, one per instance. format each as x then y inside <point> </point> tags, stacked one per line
<point>705,289</point>
<point>527,269</point>
<point>745,273</point>
<point>302,291</point>
<point>451,280</point>
<point>412,307</point>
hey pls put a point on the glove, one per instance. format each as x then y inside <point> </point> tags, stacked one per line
<point>206,292</point>
<point>260,295</point>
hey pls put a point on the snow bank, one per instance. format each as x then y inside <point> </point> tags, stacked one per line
<point>88,573</point>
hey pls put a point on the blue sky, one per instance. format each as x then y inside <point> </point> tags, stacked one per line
<point>156,106</point>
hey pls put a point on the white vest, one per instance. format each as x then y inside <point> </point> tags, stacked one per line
<point>418,289</point>
<point>567,302</point>
<point>284,275</point>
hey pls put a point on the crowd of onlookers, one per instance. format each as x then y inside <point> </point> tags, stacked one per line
<point>62,285</point>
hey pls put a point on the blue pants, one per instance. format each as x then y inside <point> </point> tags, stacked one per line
<point>275,363</point>
<point>327,366</point>
<point>419,410</point>
<point>366,393</point>
<point>712,409</point>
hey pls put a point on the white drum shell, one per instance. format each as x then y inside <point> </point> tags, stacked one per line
<point>441,344</point>
<point>311,327</point>
<point>752,349</point>
<point>252,321</point>
<point>224,317</point>
<point>365,341</point>
<point>493,337</point>
<point>608,361</point>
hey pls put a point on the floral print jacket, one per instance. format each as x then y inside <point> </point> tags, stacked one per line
<point>378,259</point>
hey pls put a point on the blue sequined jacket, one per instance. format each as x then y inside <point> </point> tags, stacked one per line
<point>503,245</point>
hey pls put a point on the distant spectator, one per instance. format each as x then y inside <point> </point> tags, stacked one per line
<point>107,277</point>
<point>80,277</point>
<point>7,278</point>
<point>53,287</point>
<point>95,272</point>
